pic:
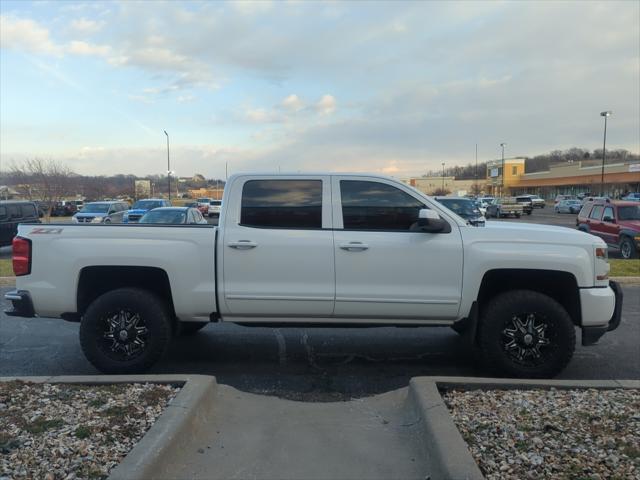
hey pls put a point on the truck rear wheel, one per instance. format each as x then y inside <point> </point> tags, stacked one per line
<point>526,334</point>
<point>125,331</point>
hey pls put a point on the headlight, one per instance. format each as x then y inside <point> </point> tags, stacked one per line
<point>125,217</point>
<point>97,220</point>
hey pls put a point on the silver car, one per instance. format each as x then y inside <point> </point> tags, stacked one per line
<point>568,206</point>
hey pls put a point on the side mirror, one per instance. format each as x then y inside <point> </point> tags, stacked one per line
<point>430,222</point>
<point>609,219</point>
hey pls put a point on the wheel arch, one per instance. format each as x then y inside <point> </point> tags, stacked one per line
<point>97,280</point>
<point>561,286</point>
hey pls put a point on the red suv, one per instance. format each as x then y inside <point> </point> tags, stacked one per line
<point>616,222</point>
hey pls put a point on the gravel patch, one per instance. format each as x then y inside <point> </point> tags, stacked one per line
<point>559,434</point>
<point>62,431</point>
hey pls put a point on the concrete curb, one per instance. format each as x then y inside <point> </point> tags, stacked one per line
<point>447,452</point>
<point>186,413</point>
<point>474,383</point>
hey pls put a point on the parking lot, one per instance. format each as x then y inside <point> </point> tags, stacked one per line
<point>309,363</point>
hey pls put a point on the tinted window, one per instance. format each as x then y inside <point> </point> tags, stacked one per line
<point>282,204</point>
<point>596,213</point>
<point>608,212</point>
<point>28,210</point>
<point>14,211</point>
<point>3,212</point>
<point>377,206</point>
<point>629,212</point>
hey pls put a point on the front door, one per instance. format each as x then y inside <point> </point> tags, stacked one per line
<point>277,248</point>
<point>383,269</point>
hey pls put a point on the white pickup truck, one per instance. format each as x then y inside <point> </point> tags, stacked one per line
<point>321,250</point>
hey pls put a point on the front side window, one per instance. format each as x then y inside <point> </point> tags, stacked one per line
<point>596,213</point>
<point>282,204</point>
<point>377,206</point>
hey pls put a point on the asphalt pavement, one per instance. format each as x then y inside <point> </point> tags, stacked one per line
<point>310,363</point>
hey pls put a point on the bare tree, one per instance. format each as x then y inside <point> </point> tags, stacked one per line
<point>46,180</point>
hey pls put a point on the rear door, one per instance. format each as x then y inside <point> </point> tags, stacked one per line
<point>277,248</point>
<point>384,269</point>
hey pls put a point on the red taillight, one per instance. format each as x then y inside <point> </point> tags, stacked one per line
<point>21,256</point>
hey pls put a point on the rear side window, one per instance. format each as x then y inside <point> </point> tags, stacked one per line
<point>282,204</point>
<point>596,213</point>
<point>28,210</point>
<point>3,212</point>
<point>377,206</point>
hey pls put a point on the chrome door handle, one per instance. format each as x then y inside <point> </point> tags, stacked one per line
<point>242,244</point>
<point>354,246</point>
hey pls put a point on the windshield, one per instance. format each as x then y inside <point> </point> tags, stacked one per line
<point>164,216</point>
<point>215,203</point>
<point>203,200</point>
<point>464,208</point>
<point>573,202</point>
<point>147,204</point>
<point>629,213</point>
<point>95,208</point>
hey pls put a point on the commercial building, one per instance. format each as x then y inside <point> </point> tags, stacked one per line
<point>569,178</point>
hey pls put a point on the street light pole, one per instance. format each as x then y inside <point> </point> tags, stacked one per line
<point>168,167</point>
<point>442,178</point>
<point>503,172</point>
<point>604,149</point>
<point>477,192</point>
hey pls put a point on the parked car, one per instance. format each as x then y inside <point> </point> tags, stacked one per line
<point>559,198</point>
<point>526,202</point>
<point>568,206</point>
<point>504,207</point>
<point>616,222</point>
<point>13,213</point>
<point>101,212</point>
<point>65,208</point>
<point>632,197</point>
<point>141,207</point>
<point>318,250</point>
<point>536,201</point>
<point>482,209</point>
<point>586,200</point>
<point>214,208</point>
<point>465,208</point>
<point>174,216</point>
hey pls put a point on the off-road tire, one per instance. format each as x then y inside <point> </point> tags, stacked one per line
<point>190,328</point>
<point>497,314</point>
<point>627,248</point>
<point>153,312</point>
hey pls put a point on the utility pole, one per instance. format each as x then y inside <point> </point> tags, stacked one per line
<point>606,115</point>
<point>503,172</point>
<point>477,192</point>
<point>442,178</point>
<point>168,167</point>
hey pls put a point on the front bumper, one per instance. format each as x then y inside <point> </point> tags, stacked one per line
<point>592,333</point>
<point>21,302</point>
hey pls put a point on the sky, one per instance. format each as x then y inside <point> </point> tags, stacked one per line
<point>387,87</point>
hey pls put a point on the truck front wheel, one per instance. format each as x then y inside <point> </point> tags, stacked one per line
<point>526,334</point>
<point>125,331</point>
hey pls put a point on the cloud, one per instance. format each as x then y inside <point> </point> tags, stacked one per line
<point>77,47</point>
<point>188,98</point>
<point>27,35</point>
<point>260,115</point>
<point>326,105</point>
<point>252,7</point>
<point>86,26</point>
<point>293,103</point>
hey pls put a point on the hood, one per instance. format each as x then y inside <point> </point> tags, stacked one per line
<point>137,211</point>
<point>631,224</point>
<point>533,232</point>
<point>86,214</point>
